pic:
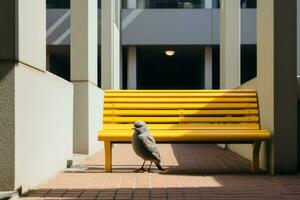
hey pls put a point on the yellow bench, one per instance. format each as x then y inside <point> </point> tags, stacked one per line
<point>201,116</point>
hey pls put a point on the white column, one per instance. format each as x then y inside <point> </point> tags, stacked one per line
<point>36,120</point>
<point>208,73</point>
<point>208,4</point>
<point>131,4</point>
<point>141,4</point>
<point>110,44</point>
<point>84,66</point>
<point>230,44</point>
<point>131,68</point>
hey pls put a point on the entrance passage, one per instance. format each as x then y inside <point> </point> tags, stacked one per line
<point>157,70</point>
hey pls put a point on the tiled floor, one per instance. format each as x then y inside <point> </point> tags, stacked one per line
<point>193,171</point>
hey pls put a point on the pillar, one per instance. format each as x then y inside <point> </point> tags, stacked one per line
<point>88,100</point>
<point>230,38</point>
<point>36,106</point>
<point>208,71</point>
<point>110,44</point>
<point>276,80</point>
<point>141,4</point>
<point>208,4</point>
<point>131,4</point>
<point>131,68</point>
<point>20,47</point>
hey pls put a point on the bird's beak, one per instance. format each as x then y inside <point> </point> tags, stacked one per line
<point>133,128</point>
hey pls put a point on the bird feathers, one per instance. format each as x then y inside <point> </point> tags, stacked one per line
<point>144,144</point>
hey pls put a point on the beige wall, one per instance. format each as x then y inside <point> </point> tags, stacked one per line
<point>88,100</point>
<point>245,150</point>
<point>276,83</point>
<point>37,128</point>
<point>43,125</point>
<point>264,82</point>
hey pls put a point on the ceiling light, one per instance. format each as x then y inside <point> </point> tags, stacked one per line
<point>170,52</point>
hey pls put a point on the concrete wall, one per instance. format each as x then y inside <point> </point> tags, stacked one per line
<point>88,100</point>
<point>96,99</point>
<point>277,85</point>
<point>36,106</point>
<point>43,125</point>
<point>7,127</point>
<point>158,26</point>
<point>37,129</point>
<point>245,150</point>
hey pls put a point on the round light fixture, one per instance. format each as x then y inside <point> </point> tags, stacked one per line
<point>170,52</point>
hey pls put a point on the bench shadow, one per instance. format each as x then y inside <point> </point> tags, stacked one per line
<point>187,159</point>
<point>206,159</point>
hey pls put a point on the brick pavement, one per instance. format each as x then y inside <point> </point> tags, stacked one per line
<point>194,171</point>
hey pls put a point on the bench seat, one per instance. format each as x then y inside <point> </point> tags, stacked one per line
<point>223,136</point>
<point>184,116</point>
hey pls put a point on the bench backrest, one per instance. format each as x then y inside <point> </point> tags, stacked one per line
<point>163,109</point>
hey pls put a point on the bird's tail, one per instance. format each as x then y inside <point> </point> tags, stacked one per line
<point>159,166</point>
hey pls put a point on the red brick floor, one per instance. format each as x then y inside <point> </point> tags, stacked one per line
<point>193,171</point>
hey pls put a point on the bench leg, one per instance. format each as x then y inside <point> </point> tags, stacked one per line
<point>108,156</point>
<point>255,157</point>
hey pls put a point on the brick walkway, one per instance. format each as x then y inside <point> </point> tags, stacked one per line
<point>194,171</point>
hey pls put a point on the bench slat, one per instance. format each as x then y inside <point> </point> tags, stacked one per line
<point>239,126</point>
<point>181,91</point>
<point>189,135</point>
<point>180,119</point>
<point>179,112</point>
<point>180,106</point>
<point>177,100</point>
<point>117,95</point>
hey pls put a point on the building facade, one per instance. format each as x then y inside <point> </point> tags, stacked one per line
<point>150,28</point>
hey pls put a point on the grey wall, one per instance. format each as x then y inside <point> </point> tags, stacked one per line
<point>7,127</point>
<point>285,86</point>
<point>159,26</point>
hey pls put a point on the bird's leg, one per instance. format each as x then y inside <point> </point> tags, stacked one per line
<point>149,169</point>
<point>142,168</point>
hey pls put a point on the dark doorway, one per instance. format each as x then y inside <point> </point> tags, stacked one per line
<point>183,70</point>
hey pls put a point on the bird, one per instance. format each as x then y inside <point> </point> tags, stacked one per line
<point>144,146</point>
